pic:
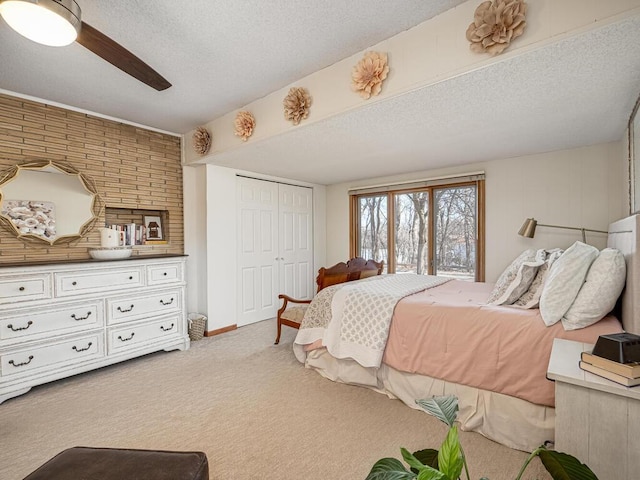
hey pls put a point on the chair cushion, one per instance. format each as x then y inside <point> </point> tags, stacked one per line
<point>120,464</point>
<point>295,314</point>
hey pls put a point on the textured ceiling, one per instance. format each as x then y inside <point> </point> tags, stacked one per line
<point>576,92</point>
<point>218,54</point>
<point>221,55</point>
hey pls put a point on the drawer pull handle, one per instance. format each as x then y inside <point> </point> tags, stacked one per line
<point>166,303</point>
<point>82,349</point>
<point>21,289</point>
<point>29,323</point>
<point>77,319</point>
<point>165,274</point>
<point>125,310</point>
<point>74,283</point>
<point>126,339</point>
<point>130,278</point>
<point>162,327</point>
<point>23,363</point>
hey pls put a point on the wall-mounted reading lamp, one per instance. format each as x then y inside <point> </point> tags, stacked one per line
<point>528,229</point>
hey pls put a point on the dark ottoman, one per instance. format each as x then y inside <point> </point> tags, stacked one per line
<point>84,463</point>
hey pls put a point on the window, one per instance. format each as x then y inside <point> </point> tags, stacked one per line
<point>436,228</point>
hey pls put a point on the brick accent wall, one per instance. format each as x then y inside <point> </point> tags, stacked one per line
<point>133,168</point>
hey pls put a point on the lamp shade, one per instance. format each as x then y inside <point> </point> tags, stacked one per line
<point>49,22</point>
<point>528,228</point>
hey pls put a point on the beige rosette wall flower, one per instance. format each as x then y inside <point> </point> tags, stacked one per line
<point>369,73</point>
<point>201,140</point>
<point>245,123</point>
<point>495,24</point>
<point>296,105</point>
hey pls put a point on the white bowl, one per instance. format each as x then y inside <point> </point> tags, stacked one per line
<point>115,253</point>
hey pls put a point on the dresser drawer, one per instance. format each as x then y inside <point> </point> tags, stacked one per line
<point>136,336</point>
<point>24,325</point>
<point>24,288</point>
<point>143,305</point>
<point>73,283</point>
<point>46,357</point>
<point>165,273</point>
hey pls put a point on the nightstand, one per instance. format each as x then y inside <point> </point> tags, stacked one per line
<point>597,421</point>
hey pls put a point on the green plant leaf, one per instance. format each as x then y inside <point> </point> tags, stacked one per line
<point>450,456</point>
<point>389,469</point>
<point>413,462</point>
<point>562,466</point>
<point>428,456</point>
<point>431,474</point>
<point>444,408</point>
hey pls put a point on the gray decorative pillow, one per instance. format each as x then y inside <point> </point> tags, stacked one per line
<point>520,283</point>
<point>600,291</point>
<point>531,298</point>
<point>509,276</point>
<point>565,280</point>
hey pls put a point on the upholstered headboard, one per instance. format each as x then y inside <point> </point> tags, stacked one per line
<point>625,236</point>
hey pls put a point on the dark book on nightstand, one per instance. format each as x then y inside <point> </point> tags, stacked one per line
<point>614,377</point>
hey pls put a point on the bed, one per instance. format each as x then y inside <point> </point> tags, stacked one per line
<point>443,338</point>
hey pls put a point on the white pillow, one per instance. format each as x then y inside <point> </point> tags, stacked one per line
<point>531,298</point>
<point>519,284</point>
<point>509,275</point>
<point>564,281</point>
<point>601,289</point>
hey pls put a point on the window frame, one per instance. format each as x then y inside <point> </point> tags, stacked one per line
<point>390,192</point>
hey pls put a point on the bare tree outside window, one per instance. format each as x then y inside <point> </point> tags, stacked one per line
<point>374,228</point>
<point>402,221</point>
<point>455,231</point>
<point>411,232</point>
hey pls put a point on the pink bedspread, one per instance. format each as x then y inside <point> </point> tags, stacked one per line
<point>448,332</point>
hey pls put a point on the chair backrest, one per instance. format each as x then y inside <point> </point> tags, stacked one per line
<point>354,269</point>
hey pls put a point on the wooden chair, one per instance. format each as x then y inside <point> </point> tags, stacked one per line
<point>354,269</point>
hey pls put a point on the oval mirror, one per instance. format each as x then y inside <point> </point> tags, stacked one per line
<point>47,201</point>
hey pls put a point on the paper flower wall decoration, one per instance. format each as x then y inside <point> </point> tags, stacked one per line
<point>245,123</point>
<point>296,105</point>
<point>369,73</point>
<point>495,24</point>
<point>201,140</point>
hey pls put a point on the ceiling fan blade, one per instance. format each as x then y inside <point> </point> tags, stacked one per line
<point>120,57</point>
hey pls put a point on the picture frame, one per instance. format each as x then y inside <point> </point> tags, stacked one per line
<point>634,160</point>
<point>153,228</point>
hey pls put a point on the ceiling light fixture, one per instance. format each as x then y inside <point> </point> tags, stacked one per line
<point>50,22</point>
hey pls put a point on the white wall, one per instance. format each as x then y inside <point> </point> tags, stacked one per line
<point>582,187</point>
<point>211,239</point>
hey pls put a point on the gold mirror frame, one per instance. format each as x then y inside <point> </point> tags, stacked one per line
<point>97,205</point>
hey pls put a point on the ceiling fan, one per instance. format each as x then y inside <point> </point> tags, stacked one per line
<point>58,23</point>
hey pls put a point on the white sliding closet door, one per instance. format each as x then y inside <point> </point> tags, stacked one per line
<point>275,251</point>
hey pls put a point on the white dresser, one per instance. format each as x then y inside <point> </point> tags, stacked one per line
<point>61,319</point>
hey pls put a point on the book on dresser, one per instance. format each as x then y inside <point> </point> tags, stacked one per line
<point>629,370</point>
<point>609,375</point>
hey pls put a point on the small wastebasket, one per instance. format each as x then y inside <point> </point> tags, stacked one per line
<point>197,326</point>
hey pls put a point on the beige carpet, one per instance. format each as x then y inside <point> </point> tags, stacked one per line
<point>248,404</point>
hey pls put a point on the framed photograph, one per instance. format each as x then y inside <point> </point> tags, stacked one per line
<point>634,160</point>
<point>153,226</point>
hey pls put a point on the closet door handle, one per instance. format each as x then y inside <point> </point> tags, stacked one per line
<point>17,329</point>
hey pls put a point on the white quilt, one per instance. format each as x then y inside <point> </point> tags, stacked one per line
<point>353,319</point>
